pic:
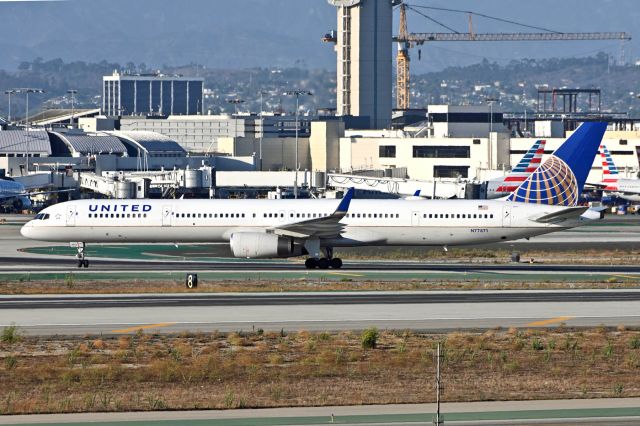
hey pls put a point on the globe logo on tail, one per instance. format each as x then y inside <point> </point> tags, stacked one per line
<point>552,183</point>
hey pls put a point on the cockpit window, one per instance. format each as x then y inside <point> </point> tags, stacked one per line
<point>42,216</point>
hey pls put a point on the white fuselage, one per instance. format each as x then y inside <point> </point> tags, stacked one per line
<point>627,189</point>
<point>368,222</point>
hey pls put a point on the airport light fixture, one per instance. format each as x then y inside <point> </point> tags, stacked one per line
<point>9,93</point>
<point>490,101</point>
<point>27,92</point>
<point>235,103</point>
<point>73,93</point>
<point>262,93</point>
<point>297,94</point>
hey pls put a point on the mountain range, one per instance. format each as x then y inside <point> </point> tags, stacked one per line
<point>284,33</point>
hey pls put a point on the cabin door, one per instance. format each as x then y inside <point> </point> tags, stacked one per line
<point>166,215</point>
<point>71,216</point>
<point>415,218</point>
<point>506,216</point>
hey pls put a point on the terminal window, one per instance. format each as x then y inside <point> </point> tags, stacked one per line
<point>441,151</point>
<point>387,151</point>
<point>450,171</point>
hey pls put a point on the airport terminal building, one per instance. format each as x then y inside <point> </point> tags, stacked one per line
<point>140,94</point>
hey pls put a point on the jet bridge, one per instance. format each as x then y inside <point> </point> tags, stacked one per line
<point>399,186</point>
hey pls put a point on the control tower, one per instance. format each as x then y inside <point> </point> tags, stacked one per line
<point>363,48</point>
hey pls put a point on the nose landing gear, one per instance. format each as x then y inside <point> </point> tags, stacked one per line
<point>82,261</point>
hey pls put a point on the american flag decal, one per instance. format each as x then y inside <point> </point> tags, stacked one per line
<point>483,207</point>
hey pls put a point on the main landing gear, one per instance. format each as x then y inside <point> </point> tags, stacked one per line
<point>324,262</point>
<point>82,261</point>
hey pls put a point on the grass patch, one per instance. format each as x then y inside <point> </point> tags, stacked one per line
<point>271,369</point>
<point>10,334</point>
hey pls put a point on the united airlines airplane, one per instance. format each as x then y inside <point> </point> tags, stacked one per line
<point>545,202</point>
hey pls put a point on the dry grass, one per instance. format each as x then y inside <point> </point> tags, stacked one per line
<point>320,283</point>
<point>197,371</point>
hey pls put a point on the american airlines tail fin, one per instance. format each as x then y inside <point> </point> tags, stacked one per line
<point>609,169</point>
<point>527,165</point>
<point>560,179</point>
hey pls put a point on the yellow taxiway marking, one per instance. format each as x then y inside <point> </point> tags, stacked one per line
<point>625,276</point>
<point>143,327</point>
<point>549,321</point>
<point>347,275</point>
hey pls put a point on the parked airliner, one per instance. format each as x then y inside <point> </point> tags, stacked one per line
<point>545,202</point>
<point>504,185</point>
<point>14,194</point>
<point>612,183</point>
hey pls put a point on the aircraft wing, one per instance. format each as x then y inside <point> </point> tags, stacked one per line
<point>322,227</point>
<point>560,215</point>
<point>12,196</point>
<point>596,185</point>
<point>56,191</point>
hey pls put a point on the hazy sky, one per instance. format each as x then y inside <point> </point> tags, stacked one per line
<point>246,33</point>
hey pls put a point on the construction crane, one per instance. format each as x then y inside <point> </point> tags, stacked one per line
<point>406,40</point>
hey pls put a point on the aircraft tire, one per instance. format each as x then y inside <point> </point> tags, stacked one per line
<point>336,263</point>
<point>311,263</point>
<point>323,263</point>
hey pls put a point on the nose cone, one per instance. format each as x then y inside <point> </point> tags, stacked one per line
<point>27,230</point>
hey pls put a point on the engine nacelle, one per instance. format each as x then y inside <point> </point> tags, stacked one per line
<point>257,245</point>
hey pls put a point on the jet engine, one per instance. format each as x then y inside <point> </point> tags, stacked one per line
<point>256,245</point>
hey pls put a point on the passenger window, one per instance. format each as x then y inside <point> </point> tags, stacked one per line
<point>475,216</point>
<point>111,215</point>
<point>144,215</point>
<point>242,214</point>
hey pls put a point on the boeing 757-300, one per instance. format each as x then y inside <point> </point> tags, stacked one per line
<point>545,202</point>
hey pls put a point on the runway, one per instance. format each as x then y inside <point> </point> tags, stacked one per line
<point>422,311</point>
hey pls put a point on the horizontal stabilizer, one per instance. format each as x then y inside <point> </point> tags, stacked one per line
<point>561,215</point>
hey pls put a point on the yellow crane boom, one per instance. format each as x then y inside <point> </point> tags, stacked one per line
<point>406,40</point>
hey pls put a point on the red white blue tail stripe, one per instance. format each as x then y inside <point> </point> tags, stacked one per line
<point>527,165</point>
<point>609,169</point>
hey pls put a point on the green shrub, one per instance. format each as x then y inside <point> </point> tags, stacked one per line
<point>635,343</point>
<point>369,338</point>
<point>68,281</point>
<point>10,334</point>
<point>10,362</point>
<point>537,345</point>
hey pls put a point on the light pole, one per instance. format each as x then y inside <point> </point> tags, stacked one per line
<point>72,92</point>
<point>235,103</point>
<point>9,92</point>
<point>490,101</point>
<point>297,94</point>
<point>27,91</point>
<point>262,93</point>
